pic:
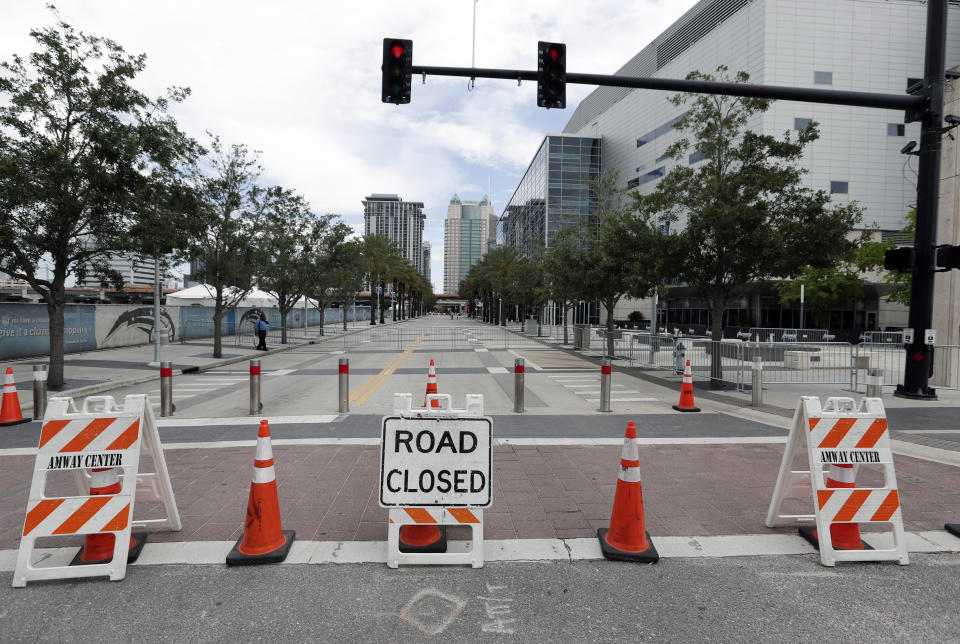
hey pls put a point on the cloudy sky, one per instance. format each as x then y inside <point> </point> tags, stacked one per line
<point>300,81</point>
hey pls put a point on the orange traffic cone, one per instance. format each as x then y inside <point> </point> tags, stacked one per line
<point>98,548</point>
<point>263,540</point>
<point>10,407</point>
<point>844,536</point>
<point>686,392</point>
<point>431,386</point>
<point>627,538</point>
<point>423,538</point>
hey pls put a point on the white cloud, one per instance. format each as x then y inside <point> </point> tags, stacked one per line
<point>300,81</point>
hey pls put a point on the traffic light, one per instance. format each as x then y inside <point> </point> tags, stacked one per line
<point>900,259</point>
<point>397,70</point>
<point>551,75</point>
<point>948,257</point>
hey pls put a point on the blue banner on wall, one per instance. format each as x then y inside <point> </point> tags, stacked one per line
<point>25,329</point>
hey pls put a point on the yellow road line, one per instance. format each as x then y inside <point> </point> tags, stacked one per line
<point>380,378</point>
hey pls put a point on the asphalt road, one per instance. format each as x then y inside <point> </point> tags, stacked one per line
<point>737,599</point>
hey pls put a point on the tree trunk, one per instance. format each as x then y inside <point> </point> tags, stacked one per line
<point>383,292</point>
<point>716,336</point>
<point>566,336</point>
<point>217,339</point>
<point>539,320</point>
<point>55,307</point>
<point>283,324</point>
<point>346,310</point>
<point>323,313</point>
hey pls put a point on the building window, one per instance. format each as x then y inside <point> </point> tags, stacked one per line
<point>823,78</point>
<point>663,158</point>
<point>633,183</point>
<point>641,167</point>
<point>838,187</point>
<point>696,156</point>
<point>801,124</point>
<point>895,129</point>
<point>650,176</point>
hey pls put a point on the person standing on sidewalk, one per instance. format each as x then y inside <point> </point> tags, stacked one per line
<point>261,327</point>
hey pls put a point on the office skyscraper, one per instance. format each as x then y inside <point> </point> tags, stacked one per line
<point>401,221</point>
<point>467,231</point>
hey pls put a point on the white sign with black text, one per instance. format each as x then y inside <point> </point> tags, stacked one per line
<point>435,462</point>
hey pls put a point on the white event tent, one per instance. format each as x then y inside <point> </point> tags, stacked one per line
<point>205,295</point>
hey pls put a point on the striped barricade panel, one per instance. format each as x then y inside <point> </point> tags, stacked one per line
<point>89,435</point>
<point>77,515</point>
<point>848,433</point>
<point>859,506</point>
<point>436,516</point>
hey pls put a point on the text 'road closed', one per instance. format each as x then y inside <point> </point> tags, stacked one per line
<point>435,462</point>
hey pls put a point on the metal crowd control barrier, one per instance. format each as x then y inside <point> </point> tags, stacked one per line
<point>39,391</point>
<point>756,384</point>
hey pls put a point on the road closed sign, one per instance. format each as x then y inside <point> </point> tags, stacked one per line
<point>435,462</point>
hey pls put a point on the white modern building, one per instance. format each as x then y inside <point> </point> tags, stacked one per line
<point>468,230</point>
<point>134,271</point>
<point>860,45</point>
<point>402,221</point>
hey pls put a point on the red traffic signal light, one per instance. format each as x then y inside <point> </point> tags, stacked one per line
<point>551,75</point>
<point>397,71</point>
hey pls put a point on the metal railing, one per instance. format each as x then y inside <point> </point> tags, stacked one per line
<point>764,334</point>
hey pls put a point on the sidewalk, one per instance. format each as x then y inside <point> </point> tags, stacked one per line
<point>329,492</point>
<point>91,372</point>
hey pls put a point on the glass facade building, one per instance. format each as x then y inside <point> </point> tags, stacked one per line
<point>554,193</point>
<point>402,221</point>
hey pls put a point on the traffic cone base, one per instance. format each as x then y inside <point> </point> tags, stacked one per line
<point>649,555</point>
<point>423,538</point>
<point>952,528</point>
<point>238,558</point>
<point>809,533</point>
<point>679,408</point>
<point>137,539</point>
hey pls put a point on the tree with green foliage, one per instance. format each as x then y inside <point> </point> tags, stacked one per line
<point>744,212</point>
<point>84,155</point>
<point>870,258</point>
<point>226,244</point>
<point>562,264</point>
<point>345,274</point>
<point>326,256</point>
<point>382,259</point>
<point>288,234</point>
<point>824,289</point>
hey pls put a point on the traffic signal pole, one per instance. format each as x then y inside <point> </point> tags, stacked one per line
<point>919,358</point>
<point>925,105</point>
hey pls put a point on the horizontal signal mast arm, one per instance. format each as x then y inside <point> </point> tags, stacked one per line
<point>804,94</point>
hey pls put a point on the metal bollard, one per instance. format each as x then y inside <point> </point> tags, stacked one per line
<point>518,370</point>
<point>255,404</point>
<point>874,383</point>
<point>606,374</point>
<point>166,389</point>
<point>756,384</point>
<point>39,391</point>
<point>344,385</point>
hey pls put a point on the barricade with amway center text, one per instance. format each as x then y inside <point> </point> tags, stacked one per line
<point>841,434</point>
<point>100,435</point>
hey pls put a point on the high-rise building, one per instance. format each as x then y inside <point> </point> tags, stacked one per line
<point>553,194</point>
<point>427,248</point>
<point>467,233</point>
<point>134,271</point>
<point>402,221</point>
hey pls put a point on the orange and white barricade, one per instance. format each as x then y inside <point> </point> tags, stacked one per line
<point>840,434</point>
<point>100,435</point>
<point>435,471</point>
